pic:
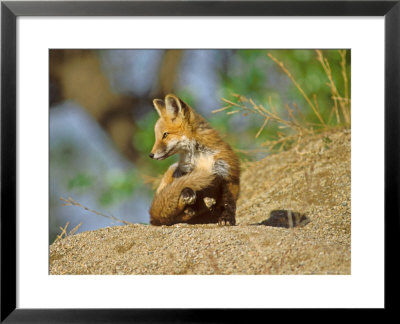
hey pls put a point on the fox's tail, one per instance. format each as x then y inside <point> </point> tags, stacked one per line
<point>165,209</point>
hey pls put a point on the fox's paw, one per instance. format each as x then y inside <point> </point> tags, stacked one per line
<point>209,202</point>
<point>188,196</point>
<point>227,218</point>
<point>188,214</point>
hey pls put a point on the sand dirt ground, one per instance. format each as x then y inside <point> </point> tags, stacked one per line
<point>314,179</point>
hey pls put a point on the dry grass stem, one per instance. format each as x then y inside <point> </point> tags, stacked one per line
<point>344,74</point>
<point>262,127</point>
<point>221,109</point>
<point>344,99</point>
<point>284,69</point>
<point>290,124</point>
<point>73,231</point>
<point>71,202</point>
<point>64,233</point>
<point>316,102</point>
<point>271,106</point>
<point>332,85</point>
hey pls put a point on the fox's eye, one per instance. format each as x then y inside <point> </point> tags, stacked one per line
<point>165,135</point>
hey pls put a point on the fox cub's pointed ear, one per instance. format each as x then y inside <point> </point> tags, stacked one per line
<point>175,107</point>
<point>160,106</point>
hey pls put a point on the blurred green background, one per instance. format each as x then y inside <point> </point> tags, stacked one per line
<point>102,119</point>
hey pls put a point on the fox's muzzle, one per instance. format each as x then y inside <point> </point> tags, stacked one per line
<point>151,155</point>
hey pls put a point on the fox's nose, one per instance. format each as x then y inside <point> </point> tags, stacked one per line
<point>151,155</point>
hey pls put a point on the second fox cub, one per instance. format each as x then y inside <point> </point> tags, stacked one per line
<point>203,186</point>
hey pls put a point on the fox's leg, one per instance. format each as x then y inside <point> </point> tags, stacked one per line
<point>230,194</point>
<point>168,203</point>
<point>188,214</point>
<point>209,202</point>
<point>187,198</point>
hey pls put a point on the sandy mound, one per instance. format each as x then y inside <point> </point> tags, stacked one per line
<point>313,179</point>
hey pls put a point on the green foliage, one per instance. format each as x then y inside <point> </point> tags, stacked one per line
<point>80,181</point>
<point>113,187</point>
<point>186,95</point>
<point>246,74</point>
<point>143,139</point>
<point>119,186</point>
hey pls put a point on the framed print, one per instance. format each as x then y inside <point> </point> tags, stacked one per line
<point>284,116</point>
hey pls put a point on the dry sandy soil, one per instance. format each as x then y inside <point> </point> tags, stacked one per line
<point>313,179</point>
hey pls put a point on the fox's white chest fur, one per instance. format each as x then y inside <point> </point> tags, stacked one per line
<point>193,155</point>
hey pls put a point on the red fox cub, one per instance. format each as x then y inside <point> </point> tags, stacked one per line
<point>203,186</point>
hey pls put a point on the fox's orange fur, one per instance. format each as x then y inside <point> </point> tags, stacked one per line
<point>207,168</point>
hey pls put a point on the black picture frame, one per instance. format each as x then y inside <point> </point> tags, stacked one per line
<point>9,13</point>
